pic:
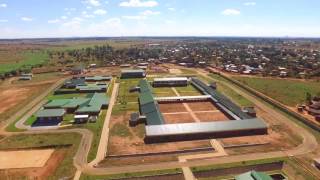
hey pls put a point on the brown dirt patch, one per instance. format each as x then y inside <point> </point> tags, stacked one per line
<point>12,96</point>
<point>134,143</point>
<point>212,116</point>
<point>37,173</point>
<point>178,118</point>
<point>24,159</point>
<point>172,107</point>
<point>202,106</point>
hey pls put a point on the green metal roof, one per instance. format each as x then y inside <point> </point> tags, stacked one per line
<point>145,98</point>
<point>73,103</point>
<point>97,101</point>
<point>98,78</point>
<point>253,175</point>
<point>154,118</point>
<point>50,113</point>
<point>57,103</point>
<point>148,106</point>
<point>144,86</point>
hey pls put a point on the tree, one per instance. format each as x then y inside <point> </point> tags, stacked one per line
<point>308,97</point>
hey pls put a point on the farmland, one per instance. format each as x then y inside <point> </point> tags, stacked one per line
<point>288,92</point>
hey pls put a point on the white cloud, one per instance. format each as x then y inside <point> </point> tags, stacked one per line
<point>93,2</point>
<point>3,20</point>
<point>134,17</point>
<point>142,15</point>
<point>249,3</point>
<point>3,5</point>
<point>27,19</point>
<point>139,3</point>
<point>86,15</point>
<point>171,9</point>
<point>100,12</point>
<point>115,22</point>
<point>64,17</point>
<point>149,13</point>
<point>230,12</point>
<point>54,21</point>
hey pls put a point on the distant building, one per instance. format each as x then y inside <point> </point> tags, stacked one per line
<point>25,77</point>
<point>77,70</point>
<point>174,81</point>
<point>133,73</point>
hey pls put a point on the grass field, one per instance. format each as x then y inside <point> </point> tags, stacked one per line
<point>66,168</point>
<point>288,92</point>
<point>225,90</point>
<point>28,59</point>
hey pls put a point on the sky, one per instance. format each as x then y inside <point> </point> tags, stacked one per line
<point>114,18</point>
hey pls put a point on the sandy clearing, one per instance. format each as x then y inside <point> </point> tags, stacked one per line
<point>175,71</point>
<point>24,159</point>
<point>12,96</point>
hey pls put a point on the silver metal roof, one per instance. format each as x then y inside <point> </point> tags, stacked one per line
<point>204,127</point>
<point>170,79</point>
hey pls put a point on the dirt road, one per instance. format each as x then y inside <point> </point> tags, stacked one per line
<point>103,144</point>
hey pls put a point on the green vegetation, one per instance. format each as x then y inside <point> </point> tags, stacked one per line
<point>234,96</point>
<point>30,120</point>
<point>65,168</point>
<point>96,129</point>
<point>163,92</point>
<point>188,91</point>
<point>124,96</point>
<point>132,175</point>
<point>237,164</point>
<point>288,92</point>
<point>31,59</point>
<point>120,130</point>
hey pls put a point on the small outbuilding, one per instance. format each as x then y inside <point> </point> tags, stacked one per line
<point>81,118</point>
<point>49,117</point>
<point>25,77</point>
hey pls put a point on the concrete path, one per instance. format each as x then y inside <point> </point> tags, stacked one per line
<point>187,173</point>
<point>193,115</point>
<point>103,144</point>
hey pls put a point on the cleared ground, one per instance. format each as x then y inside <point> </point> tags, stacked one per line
<point>202,106</point>
<point>212,116</point>
<point>172,107</point>
<point>24,159</point>
<point>178,118</point>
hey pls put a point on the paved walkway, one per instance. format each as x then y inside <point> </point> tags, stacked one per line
<point>193,115</point>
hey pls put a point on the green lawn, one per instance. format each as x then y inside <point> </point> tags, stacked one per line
<point>188,91</point>
<point>230,93</point>
<point>29,59</point>
<point>120,130</point>
<point>66,168</point>
<point>288,92</point>
<point>131,175</point>
<point>124,96</point>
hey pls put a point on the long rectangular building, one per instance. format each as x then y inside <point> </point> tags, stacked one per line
<point>204,130</point>
<point>173,81</point>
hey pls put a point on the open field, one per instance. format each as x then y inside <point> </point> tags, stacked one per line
<point>24,159</point>
<point>288,92</point>
<point>25,60</point>
<point>59,165</point>
<point>14,97</point>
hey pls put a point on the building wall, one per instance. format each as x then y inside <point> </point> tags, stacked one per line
<point>210,135</point>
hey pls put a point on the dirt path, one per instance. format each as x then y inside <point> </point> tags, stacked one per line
<point>193,115</point>
<point>103,144</point>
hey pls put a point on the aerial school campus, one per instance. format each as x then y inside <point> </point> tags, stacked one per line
<point>134,121</point>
